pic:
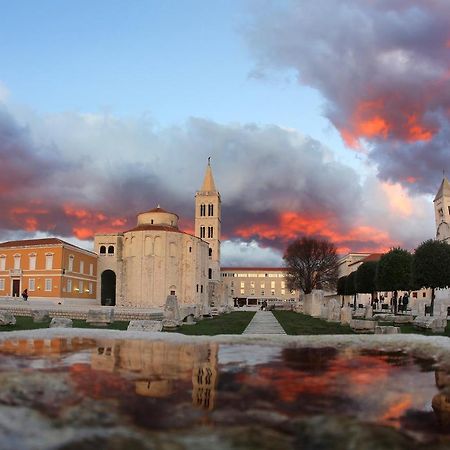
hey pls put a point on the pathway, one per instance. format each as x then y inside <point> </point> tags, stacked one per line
<point>264,322</point>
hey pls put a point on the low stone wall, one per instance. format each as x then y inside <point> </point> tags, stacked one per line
<point>120,314</point>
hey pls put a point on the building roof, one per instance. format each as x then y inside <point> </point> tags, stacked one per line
<point>371,257</point>
<point>208,182</point>
<point>39,243</point>
<point>255,269</point>
<point>444,190</point>
<point>158,209</point>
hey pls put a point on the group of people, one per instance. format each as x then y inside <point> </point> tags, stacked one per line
<point>399,303</point>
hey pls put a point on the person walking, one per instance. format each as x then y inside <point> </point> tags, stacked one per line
<point>25,294</point>
<point>405,301</point>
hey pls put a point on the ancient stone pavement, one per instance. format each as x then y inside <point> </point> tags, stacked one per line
<point>264,322</point>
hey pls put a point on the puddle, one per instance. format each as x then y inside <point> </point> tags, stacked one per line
<point>85,393</point>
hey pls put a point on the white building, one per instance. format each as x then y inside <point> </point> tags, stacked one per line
<point>140,267</point>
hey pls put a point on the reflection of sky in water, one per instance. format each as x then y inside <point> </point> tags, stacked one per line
<point>390,389</point>
<point>247,355</point>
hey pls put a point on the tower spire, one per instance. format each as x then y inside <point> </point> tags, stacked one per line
<point>208,182</point>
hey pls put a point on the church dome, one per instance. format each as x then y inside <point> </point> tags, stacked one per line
<point>158,216</point>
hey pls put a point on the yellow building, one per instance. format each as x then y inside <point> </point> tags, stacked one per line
<point>51,269</point>
<point>253,285</point>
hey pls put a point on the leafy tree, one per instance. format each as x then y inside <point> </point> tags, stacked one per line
<point>431,266</point>
<point>350,288</point>
<point>311,264</point>
<point>341,287</point>
<point>394,271</point>
<point>365,278</point>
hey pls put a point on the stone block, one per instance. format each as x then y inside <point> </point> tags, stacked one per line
<point>368,313</point>
<point>387,330</point>
<point>150,326</point>
<point>6,318</point>
<point>346,315</point>
<point>435,324</point>
<point>100,317</point>
<point>334,311</point>
<point>363,326</point>
<point>387,318</point>
<point>61,322</point>
<point>170,323</point>
<point>171,312</point>
<point>403,319</point>
<point>360,313</point>
<point>40,316</point>
<point>312,303</point>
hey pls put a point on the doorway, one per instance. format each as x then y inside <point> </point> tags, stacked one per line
<point>108,288</point>
<point>15,288</point>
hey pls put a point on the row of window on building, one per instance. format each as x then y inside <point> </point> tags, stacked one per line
<point>203,210</point>
<point>48,263</point>
<point>48,285</point>
<point>103,250</point>
<point>203,232</point>
<point>253,275</point>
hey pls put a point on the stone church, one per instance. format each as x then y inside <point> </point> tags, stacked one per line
<point>140,267</point>
<point>442,211</point>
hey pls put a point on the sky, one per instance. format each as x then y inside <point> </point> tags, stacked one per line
<point>325,118</point>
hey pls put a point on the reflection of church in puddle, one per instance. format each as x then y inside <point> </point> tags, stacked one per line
<point>157,367</point>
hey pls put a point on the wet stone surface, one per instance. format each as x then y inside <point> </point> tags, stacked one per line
<point>84,394</point>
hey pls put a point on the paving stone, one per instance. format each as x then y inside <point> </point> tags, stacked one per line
<point>264,322</point>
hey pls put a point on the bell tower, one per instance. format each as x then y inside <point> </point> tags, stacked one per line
<point>208,221</point>
<point>442,211</point>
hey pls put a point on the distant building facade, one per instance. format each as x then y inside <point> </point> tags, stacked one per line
<point>49,269</point>
<point>252,285</point>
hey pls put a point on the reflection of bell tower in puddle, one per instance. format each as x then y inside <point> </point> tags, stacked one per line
<point>204,380</point>
<point>156,366</point>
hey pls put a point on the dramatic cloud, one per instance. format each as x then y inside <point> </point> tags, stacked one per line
<point>74,175</point>
<point>383,67</point>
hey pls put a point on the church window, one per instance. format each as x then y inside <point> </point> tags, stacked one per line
<point>197,287</point>
<point>202,232</point>
<point>102,250</point>
<point>158,246</point>
<point>210,209</point>
<point>210,232</point>
<point>210,274</point>
<point>190,249</point>
<point>201,288</point>
<point>202,210</point>
<point>210,252</point>
<point>151,222</point>
<point>111,250</point>
<point>449,209</point>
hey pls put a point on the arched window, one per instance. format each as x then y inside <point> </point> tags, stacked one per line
<point>202,232</point>
<point>210,251</point>
<point>210,209</point>
<point>202,210</point>
<point>210,274</point>
<point>111,250</point>
<point>102,250</point>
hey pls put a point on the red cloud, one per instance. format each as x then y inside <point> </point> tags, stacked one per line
<point>290,225</point>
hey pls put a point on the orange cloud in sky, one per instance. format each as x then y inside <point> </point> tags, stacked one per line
<point>370,119</point>
<point>291,225</point>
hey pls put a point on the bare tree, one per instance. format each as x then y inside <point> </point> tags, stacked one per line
<point>312,264</point>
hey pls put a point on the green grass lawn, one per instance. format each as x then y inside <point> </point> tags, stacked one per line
<point>232,323</point>
<point>26,323</point>
<point>301,324</point>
